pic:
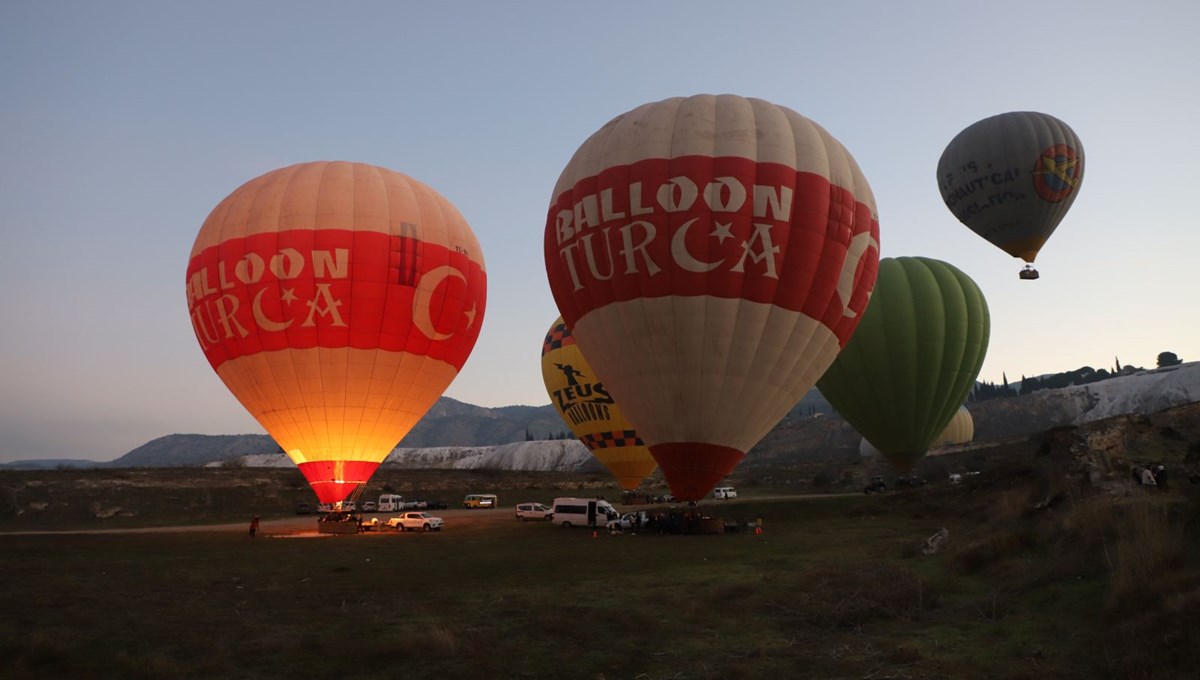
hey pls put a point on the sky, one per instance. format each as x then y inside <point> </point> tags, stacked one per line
<point>122,124</point>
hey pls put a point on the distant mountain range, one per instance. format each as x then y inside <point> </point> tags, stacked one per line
<point>454,434</point>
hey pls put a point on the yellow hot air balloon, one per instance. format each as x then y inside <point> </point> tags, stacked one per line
<point>586,406</point>
<point>960,430</point>
<point>337,301</point>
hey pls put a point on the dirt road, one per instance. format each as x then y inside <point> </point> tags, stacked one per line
<point>457,519</point>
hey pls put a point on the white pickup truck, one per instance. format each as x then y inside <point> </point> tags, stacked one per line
<point>414,520</point>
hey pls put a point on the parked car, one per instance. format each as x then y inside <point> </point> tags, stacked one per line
<point>877,485</point>
<point>533,511</point>
<point>349,506</point>
<point>435,505</point>
<point>724,492</point>
<point>304,508</point>
<point>414,519</point>
<point>370,506</point>
<point>628,521</point>
<point>910,481</point>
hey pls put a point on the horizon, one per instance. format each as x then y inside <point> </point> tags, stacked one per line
<point>126,123</point>
<point>548,405</point>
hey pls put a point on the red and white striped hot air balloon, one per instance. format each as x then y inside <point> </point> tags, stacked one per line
<point>337,301</point>
<point>711,255</point>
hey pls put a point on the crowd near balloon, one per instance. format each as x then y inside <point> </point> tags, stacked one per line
<point>714,257</point>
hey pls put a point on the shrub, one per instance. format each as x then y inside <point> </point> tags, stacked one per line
<point>1146,546</point>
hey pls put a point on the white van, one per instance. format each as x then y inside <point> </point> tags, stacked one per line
<point>724,492</point>
<point>390,502</point>
<point>583,512</point>
<point>533,511</point>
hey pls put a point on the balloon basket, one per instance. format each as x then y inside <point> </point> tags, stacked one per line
<point>338,524</point>
<point>1029,274</point>
<point>704,525</point>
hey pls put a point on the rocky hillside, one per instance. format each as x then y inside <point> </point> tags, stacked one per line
<point>190,450</point>
<point>453,423</point>
<point>458,435</point>
<point>800,437</point>
<point>563,455</point>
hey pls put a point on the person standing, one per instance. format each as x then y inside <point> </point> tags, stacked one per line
<point>1160,477</point>
<point>1148,477</point>
<point>254,526</point>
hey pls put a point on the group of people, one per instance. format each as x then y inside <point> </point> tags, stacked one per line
<point>1151,475</point>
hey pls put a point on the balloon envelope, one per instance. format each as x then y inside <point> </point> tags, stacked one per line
<point>589,410</point>
<point>336,301</point>
<point>913,359</point>
<point>711,254</point>
<point>1011,178</point>
<point>960,430</point>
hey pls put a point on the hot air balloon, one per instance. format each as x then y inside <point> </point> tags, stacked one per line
<point>585,405</point>
<point>913,359</point>
<point>960,430</point>
<point>1011,178</point>
<point>711,255</point>
<point>336,301</point>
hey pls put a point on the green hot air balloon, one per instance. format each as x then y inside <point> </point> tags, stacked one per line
<point>1011,178</point>
<point>913,359</point>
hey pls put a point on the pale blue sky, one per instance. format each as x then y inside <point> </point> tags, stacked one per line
<point>123,123</point>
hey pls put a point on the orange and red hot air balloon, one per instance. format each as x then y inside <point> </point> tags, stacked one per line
<point>337,301</point>
<point>711,256</point>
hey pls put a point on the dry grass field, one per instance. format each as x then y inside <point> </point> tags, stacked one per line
<point>1037,581</point>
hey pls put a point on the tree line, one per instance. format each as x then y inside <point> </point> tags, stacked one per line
<point>1081,376</point>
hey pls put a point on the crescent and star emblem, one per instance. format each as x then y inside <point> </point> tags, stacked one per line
<point>422,314</point>
<point>265,322</point>
<point>859,245</point>
<point>422,300</point>
<point>685,259</point>
<point>680,252</point>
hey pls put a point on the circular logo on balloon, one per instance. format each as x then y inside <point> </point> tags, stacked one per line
<point>1057,172</point>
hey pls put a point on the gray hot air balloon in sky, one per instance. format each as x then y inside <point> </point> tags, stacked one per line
<point>1011,178</point>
